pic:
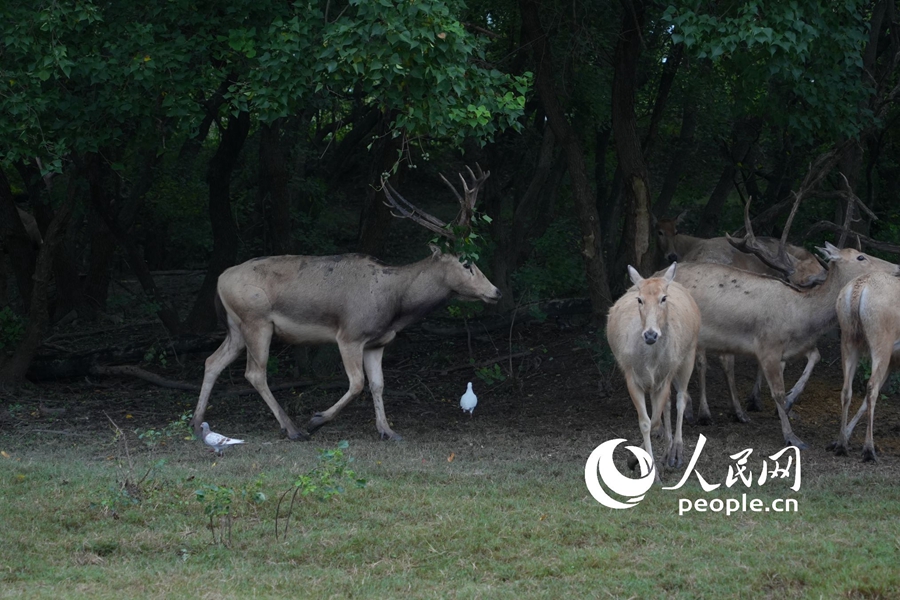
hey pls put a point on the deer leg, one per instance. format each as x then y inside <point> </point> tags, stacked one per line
<point>215,364</point>
<point>675,456</point>
<point>754,400</point>
<point>352,356</point>
<point>727,361</point>
<point>849,362</point>
<point>640,404</point>
<point>812,357</point>
<point>258,336</point>
<point>880,369</point>
<point>372,365</point>
<point>772,369</point>
<point>705,417</point>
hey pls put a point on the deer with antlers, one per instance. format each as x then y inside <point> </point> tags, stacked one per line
<point>352,300</point>
<point>768,318</point>
<point>805,271</point>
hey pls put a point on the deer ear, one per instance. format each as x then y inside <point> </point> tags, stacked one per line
<point>670,273</point>
<point>830,251</point>
<point>636,278</point>
<point>435,250</point>
<point>680,218</point>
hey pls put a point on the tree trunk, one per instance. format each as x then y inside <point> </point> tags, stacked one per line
<point>582,194</point>
<point>376,217</point>
<point>273,189</point>
<point>744,134</point>
<point>15,246</point>
<point>635,176</point>
<point>225,237</point>
<point>13,369</point>
<point>684,148</point>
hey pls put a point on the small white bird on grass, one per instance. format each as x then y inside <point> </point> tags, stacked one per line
<point>216,441</point>
<point>469,400</point>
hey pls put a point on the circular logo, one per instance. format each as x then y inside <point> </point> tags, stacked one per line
<point>600,462</point>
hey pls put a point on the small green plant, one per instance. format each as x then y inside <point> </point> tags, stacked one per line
<point>180,427</point>
<point>490,375</point>
<point>217,507</point>
<point>12,328</point>
<point>272,366</point>
<point>157,355</point>
<point>322,482</point>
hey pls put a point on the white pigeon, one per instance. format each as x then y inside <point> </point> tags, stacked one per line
<point>216,441</point>
<point>469,400</point>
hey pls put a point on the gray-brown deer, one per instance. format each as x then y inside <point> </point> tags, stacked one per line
<point>34,234</point>
<point>351,299</point>
<point>767,318</point>
<point>652,331</point>
<point>870,322</point>
<point>805,271</point>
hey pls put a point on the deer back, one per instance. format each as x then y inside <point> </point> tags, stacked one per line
<point>744,312</point>
<point>869,315</point>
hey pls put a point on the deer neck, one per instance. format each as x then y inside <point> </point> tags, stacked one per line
<point>423,289</point>
<point>822,298</point>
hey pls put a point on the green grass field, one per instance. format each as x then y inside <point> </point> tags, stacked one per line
<point>508,517</point>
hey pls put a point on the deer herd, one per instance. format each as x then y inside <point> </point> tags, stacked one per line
<point>756,297</point>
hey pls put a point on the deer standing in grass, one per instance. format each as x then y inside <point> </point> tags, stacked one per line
<point>351,299</point>
<point>806,271</point>
<point>748,314</point>
<point>652,331</point>
<point>869,316</point>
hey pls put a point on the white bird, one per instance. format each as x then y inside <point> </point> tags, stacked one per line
<point>216,441</point>
<point>469,400</point>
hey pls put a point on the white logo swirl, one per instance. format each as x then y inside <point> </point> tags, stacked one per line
<point>601,462</point>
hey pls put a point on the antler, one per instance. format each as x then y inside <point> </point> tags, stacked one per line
<point>781,261</point>
<point>467,201</point>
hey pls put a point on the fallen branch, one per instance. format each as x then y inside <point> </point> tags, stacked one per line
<point>484,363</point>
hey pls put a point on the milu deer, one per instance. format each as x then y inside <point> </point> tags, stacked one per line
<point>351,299</point>
<point>870,321</point>
<point>756,315</point>
<point>34,235</point>
<point>652,331</point>
<point>806,271</point>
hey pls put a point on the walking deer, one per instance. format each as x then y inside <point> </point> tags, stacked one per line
<point>652,331</point>
<point>870,320</point>
<point>756,315</point>
<point>806,271</point>
<point>34,234</point>
<point>351,299</point>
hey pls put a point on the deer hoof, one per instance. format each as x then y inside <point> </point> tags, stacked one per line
<point>390,436</point>
<point>299,435</point>
<point>317,421</point>
<point>741,417</point>
<point>793,440</point>
<point>674,456</point>
<point>704,419</point>
<point>869,455</point>
<point>754,404</point>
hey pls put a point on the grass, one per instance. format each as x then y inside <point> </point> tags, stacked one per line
<point>508,520</point>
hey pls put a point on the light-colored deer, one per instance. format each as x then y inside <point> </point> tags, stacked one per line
<point>869,316</point>
<point>34,234</point>
<point>806,271</point>
<point>652,331</point>
<point>756,315</point>
<point>351,299</point>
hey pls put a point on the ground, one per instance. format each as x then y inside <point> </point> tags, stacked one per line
<point>566,392</point>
